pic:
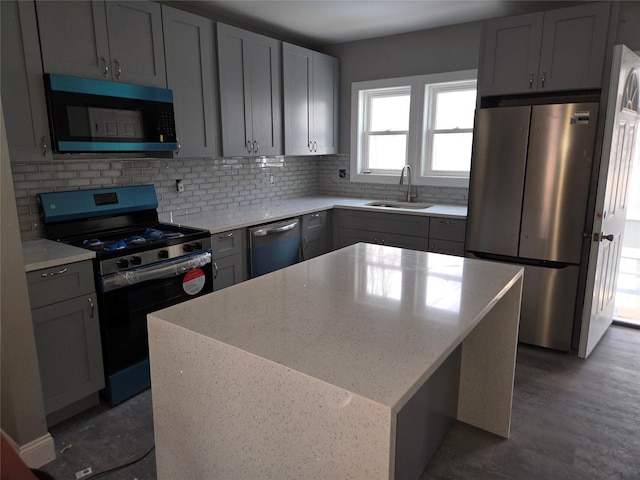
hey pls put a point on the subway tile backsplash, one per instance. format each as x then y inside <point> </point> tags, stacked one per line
<point>210,184</point>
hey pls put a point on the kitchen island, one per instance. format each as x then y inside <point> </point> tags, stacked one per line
<point>337,367</point>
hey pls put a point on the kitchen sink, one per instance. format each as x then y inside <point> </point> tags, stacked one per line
<point>395,204</point>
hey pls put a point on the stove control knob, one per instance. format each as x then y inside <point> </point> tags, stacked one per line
<point>197,245</point>
<point>136,260</point>
<point>163,254</point>
<point>187,247</point>
<point>123,263</point>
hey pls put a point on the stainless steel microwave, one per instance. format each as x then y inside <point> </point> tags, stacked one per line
<point>87,115</point>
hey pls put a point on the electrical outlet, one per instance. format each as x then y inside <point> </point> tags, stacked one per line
<point>342,173</point>
<point>179,186</point>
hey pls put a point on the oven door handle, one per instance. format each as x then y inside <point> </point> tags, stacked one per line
<point>157,271</point>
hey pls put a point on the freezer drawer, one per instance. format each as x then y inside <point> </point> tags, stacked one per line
<point>548,306</point>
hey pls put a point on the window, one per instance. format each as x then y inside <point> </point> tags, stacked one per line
<point>424,121</point>
<point>385,129</point>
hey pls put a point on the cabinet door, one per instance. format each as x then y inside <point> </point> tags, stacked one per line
<point>250,97</point>
<point>73,37</point>
<point>235,100</point>
<point>326,77</point>
<point>573,47</point>
<point>447,247</point>
<point>135,43</point>
<point>228,271</point>
<point>511,54</point>
<point>188,41</point>
<point>67,338</point>
<point>296,65</point>
<point>21,83</point>
<point>265,84</point>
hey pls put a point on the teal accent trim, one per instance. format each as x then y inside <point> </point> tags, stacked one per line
<point>127,383</point>
<point>79,204</point>
<point>65,83</point>
<point>67,146</point>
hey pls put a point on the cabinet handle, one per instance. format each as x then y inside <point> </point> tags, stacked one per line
<point>43,145</point>
<point>249,146</point>
<point>105,67</point>
<point>179,146</point>
<point>53,274</point>
<point>92,306</point>
<point>531,80</point>
<point>310,146</point>
<point>118,68</point>
<point>306,242</point>
<point>446,222</point>
<point>315,215</point>
<point>215,270</point>
<point>544,74</point>
<point>256,147</point>
<point>315,146</point>
<point>226,235</point>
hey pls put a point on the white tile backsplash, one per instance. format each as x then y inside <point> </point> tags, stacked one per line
<point>210,183</point>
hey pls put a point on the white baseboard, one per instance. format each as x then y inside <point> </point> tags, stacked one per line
<point>38,452</point>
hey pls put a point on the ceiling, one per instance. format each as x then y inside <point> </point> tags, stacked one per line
<point>327,22</point>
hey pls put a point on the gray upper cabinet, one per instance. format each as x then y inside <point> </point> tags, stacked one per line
<point>250,92</point>
<point>311,85</point>
<point>23,100</point>
<point>556,50</point>
<point>190,61</point>
<point>119,41</point>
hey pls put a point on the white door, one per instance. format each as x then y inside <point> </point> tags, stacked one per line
<point>611,198</point>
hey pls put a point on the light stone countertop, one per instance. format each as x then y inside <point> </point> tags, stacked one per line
<point>43,253</point>
<point>373,320</point>
<point>242,217</point>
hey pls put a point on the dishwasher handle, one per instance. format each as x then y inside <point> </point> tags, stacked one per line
<point>262,232</point>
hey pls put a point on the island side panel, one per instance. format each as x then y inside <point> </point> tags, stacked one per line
<point>488,366</point>
<point>222,413</point>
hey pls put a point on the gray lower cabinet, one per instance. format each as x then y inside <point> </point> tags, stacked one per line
<point>392,229</point>
<point>190,60</point>
<point>67,334</point>
<point>446,235</point>
<point>112,40</point>
<point>249,68</point>
<point>416,232</point>
<point>555,50</point>
<point>229,258</point>
<point>310,85</point>
<point>316,234</point>
<point>21,83</point>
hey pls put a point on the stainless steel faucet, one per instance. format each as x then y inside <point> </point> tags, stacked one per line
<point>408,169</point>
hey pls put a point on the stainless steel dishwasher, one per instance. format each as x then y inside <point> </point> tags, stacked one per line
<point>274,246</point>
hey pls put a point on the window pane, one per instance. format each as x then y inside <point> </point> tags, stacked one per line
<point>389,113</point>
<point>452,152</point>
<point>387,152</point>
<point>455,109</point>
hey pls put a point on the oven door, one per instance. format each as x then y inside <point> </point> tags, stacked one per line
<point>128,297</point>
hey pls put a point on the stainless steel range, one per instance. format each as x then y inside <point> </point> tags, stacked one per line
<point>141,265</point>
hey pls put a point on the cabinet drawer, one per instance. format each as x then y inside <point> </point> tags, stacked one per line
<point>447,229</point>
<point>226,243</point>
<point>51,285</point>
<point>395,223</point>
<point>314,221</point>
<point>447,247</point>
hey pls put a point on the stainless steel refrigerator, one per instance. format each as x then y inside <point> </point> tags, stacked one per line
<point>528,193</point>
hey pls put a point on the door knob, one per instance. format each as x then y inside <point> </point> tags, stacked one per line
<point>606,237</point>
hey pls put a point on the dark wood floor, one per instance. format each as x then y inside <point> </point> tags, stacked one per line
<point>572,419</point>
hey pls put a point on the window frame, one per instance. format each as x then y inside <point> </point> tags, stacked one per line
<point>417,129</point>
